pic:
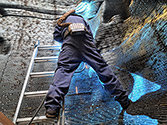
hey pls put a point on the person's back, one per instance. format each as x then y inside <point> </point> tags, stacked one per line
<point>72,18</point>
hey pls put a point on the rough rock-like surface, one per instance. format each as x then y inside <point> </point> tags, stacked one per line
<point>21,28</point>
<point>23,23</point>
<point>137,45</point>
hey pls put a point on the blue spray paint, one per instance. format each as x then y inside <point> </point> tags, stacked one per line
<point>141,87</point>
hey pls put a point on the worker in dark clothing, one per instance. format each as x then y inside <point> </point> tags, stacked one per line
<point>76,48</point>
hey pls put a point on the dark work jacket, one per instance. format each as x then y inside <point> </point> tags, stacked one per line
<point>59,31</point>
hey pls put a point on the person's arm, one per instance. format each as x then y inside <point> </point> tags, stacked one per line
<point>57,34</point>
<point>88,27</point>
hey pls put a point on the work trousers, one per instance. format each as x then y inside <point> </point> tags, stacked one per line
<point>74,51</point>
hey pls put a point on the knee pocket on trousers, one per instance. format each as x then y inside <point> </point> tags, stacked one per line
<point>65,55</point>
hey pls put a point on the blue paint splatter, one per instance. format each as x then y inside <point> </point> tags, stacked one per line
<point>87,9</point>
<point>90,11</point>
<point>139,120</point>
<point>141,87</point>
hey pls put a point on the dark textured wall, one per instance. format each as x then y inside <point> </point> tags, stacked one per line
<point>139,46</point>
<point>134,48</point>
<point>22,23</point>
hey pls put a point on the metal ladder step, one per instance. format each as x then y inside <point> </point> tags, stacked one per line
<point>35,93</point>
<point>46,59</point>
<point>41,74</point>
<point>53,47</point>
<point>36,119</point>
<point>23,94</point>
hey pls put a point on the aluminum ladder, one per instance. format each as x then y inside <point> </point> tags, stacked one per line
<point>34,59</point>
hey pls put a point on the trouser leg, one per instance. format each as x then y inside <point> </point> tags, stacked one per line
<point>106,75</point>
<point>67,63</point>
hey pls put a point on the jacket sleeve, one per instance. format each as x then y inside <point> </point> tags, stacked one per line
<point>88,27</point>
<point>57,34</point>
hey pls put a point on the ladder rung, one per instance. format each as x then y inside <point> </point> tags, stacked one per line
<point>46,59</point>
<point>42,74</point>
<point>36,119</point>
<point>36,93</point>
<point>49,47</point>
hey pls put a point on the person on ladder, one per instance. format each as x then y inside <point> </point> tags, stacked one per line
<point>78,45</point>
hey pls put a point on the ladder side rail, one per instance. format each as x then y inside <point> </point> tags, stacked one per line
<point>25,84</point>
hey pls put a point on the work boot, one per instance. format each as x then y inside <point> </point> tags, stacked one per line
<point>124,103</point>
<point>52,113</point>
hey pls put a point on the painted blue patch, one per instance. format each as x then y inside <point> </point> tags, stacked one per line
<point>87,9</point>
<point>141,87</point>
<point>138,120</point>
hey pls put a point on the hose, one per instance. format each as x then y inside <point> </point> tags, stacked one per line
<point>36,112</point>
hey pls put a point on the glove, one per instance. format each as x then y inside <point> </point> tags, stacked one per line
<point>59,22</point>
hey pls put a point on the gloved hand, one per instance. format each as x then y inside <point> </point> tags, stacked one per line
<point>59,22</point>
